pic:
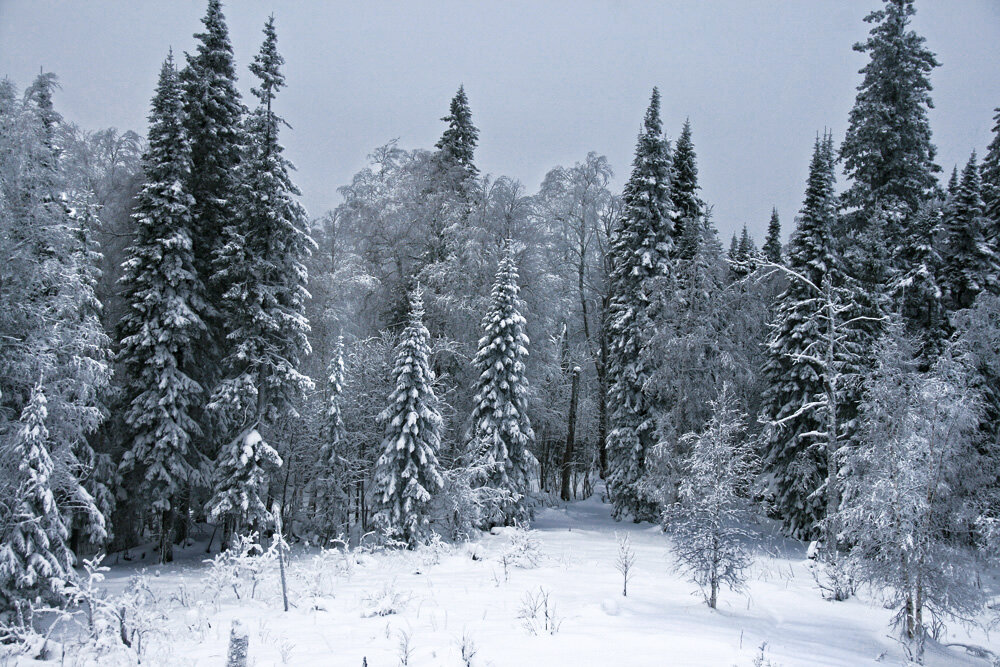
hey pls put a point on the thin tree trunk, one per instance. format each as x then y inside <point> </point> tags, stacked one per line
<point>166,543</point>
<point>601,366</point>
<point>567,461</point>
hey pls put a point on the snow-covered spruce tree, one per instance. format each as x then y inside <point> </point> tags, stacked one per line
<point>743,255</point>
<point>407,474</point>
<point>162,330</point>
<point>213,116</point>
<point>912,487</point>
<point>34,558</point>
<point>971,265</point>
<point>241,473</point>
<point>795,369</point>
<point>49,315</point>
<point>639,254</point>
<point>991,182</point>
<point>772,242</point>
<point>449,191</point>
<point>262,266</point>
<point>457,145</point>
<point>887,152</point>
<point>449,259</point>
<point>501,436</point>
<point>713,505</point>
<point>684,195</point>
<point>918,287</point>
<point>329,477</point>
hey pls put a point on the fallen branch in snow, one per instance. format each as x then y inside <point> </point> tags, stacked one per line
<point>974,650</point>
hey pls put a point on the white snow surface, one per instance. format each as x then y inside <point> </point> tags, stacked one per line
<point>357,606</point>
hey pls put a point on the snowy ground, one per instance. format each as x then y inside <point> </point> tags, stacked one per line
<point>444,596</point>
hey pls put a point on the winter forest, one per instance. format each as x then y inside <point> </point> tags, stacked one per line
<point>453,422</point>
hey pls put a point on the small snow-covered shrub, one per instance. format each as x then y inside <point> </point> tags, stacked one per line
<point>240,568</point>
<point>405,647</point>
<point>464,505</point>
<point>386,601</point>
<point>538,613</point>
<point>318,575</point>
<point>468,649</point>
<point>523,550</point>
<point>378,541</point>
<point>761,659</point>
<point>139,615</point>
<point>434,550</point>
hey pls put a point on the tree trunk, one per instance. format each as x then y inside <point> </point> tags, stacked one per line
<point>567,461</point>
<point>601,366</point>
<point>166,543</point>
<point>276,510</point>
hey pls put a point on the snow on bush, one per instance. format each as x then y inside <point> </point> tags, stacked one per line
<point>538,613</point>
<point>385,601</point>
<point>241,568</point>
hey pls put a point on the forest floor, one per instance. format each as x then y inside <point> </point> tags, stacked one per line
<point>437,600</point>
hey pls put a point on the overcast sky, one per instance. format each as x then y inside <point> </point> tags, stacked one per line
<point>547,81</point>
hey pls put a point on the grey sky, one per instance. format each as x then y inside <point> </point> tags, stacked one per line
<point>547,81</point>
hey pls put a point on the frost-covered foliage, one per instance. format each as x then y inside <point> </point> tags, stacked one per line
<point>501,434</point>
<point>163,328</point>
<point>407,474</point>
<point>329,478</point>
<point>639,256</point>
<point>385,601</point>
<point>538,613</point>
<point>464,506</point>
<point>914,490</point>
<point>34,558</point>
<point>707,523</point>
<point>241,567</point>
<point>53,351</point>
<point>241,472</point>
<point>919,286</point>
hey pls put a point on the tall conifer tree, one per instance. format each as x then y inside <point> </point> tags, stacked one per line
<point>794,376</point>
<point>34,558</point>
<point>163,329</point>
<point>887,153</point>
<point>684,188</point>
<point>991,182</point>
<point>262,264</point>
<point>640,257</point>
<point>213,116</point>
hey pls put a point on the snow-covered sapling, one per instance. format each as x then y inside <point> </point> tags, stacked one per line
<point>538,613</point>
<point>706,523</point>
<point>468,649</point>
<point>405,647</point>
<point>625,561</point>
